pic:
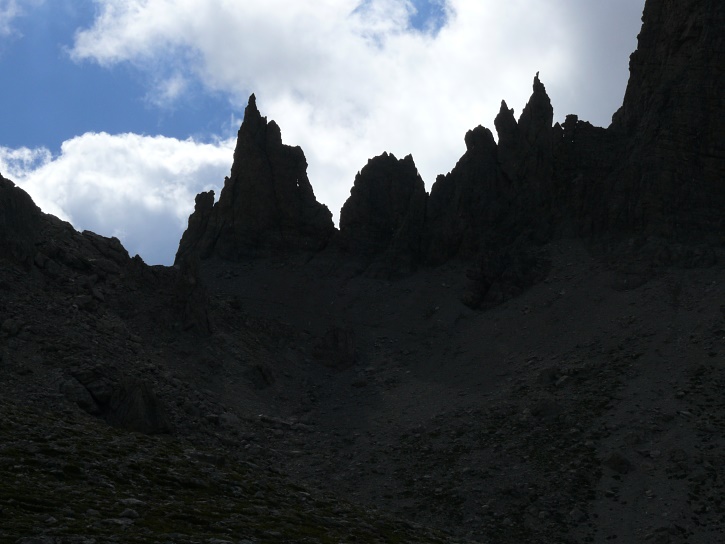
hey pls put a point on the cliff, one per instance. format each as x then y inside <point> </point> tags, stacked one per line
<point>669,179</point>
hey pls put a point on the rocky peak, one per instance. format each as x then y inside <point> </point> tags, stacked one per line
<point>465,204</point>
<point>385,213</point>
<point>525,148</point>
<point>267,202</point>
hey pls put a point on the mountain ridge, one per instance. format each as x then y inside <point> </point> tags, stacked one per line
<point>542,180</point>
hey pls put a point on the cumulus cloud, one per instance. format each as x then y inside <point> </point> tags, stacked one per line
<point>138,188</point>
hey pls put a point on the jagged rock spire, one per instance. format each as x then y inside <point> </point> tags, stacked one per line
<point>267,202</point>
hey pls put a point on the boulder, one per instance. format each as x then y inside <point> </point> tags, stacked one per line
<point>134,406</point>
<point>124,402</point>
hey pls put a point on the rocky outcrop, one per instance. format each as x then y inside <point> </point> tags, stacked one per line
<point>502,273</point>
<point>267,202</point>
<point>195,237</point>
<point>497,194</point>
<point>20,223</point>
<point>465,205</point>
<point>128,403</point>
<point>191,299</point>
<point>525,148</point>
<point>383,219</point>
<point>657,171</point>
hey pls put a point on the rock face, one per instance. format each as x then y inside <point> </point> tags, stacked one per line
<point>123,402</point>
<point>670,181</point>
<point>384,216</point>
<point>266,204</point>
<point>466,204</point>
<point>496,194</point>
<point>584,156</point>
<point>196,239</point>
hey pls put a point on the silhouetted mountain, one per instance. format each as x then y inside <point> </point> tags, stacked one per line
<point>304,384</point>
<point>266,204</point>
<point>656,171</point>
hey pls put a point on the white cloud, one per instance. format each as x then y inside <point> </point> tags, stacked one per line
<point>167,90</point>
<point>139,188</point>
<point>353,69</point>
<point>11,10</point>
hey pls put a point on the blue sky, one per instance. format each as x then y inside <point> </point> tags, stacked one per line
<point>115,113</point>
<point>48,98</point>
<point>53,98</point>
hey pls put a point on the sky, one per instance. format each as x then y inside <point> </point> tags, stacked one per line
<point>114,114</point>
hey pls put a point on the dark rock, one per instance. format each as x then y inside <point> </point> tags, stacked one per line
<point>78,394</point>
<point>496,194</point>
<point>502,274</point>
<point>129,513</point>
<point>198,224</point>
<point>134,406</point>
<point>669,181</point>
<point>126,403</point>
<point>261,376</point>
<point>584,155</point>
<point>20,223</point>
<point>98,381</point>
<point>266,204</point>
<point>10,327</point>
<point>525,148</point>
<point>385,213</point>
<point>336,349</point>
<point>618,463</point>
<point>467,204</point>
<point>110,248</point>
<point>191,297</point>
